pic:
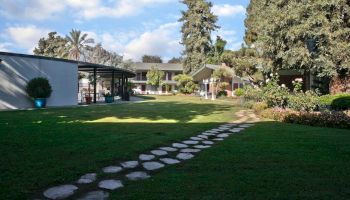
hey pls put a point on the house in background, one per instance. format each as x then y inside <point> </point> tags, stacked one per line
<point>140,81</point>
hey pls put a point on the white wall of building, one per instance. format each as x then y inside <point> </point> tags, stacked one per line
<point>16,71</point>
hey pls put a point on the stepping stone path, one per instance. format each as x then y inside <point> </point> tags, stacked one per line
<point>152,165</point>
<point>159,152</point>
<point>177,153</point>
<point>60,192</point>
<point>87,178</point>
<point>171,149</point>
<point>169,161</point>
<point>95,195</point>
<point>146,157</point>
<point>180,145</point>
<point>112,169</point>
<point>134,176</point>
<point>130,164</point>
<point>110,184</point>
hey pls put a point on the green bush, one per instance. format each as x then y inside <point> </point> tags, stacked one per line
<point>336,102</point>
<point>239,92</point>
<point>251,93</point>
<point>248,104</point>
<point>301,101</point>
<point>221,93</point>
<point>275,95</point>
<point>258,107</point>
<point>39,88</point>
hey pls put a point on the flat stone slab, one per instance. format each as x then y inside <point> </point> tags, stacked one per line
<point>216,129</point>
<point>112,169</point>
<point>208,142</point>
<point>180,145</point>
<point>87,178</point>
<point>202,136</point>
<point>184,156</point>
<point>110,184</point>
<point>134,176</point>
<point>223,135</point>
<point>171,149</point>
<point>208,134</point>
<point>235,130</point>
<point>169,161</point>
<point>190,150</point>
<point>196,138</point>
<point>159,152</point>
<point>130,164</point>
<point>245,125</point>
<point>60,192</point>
<point>223,128</point>
<point>152,165</point>
<point>190,142</point>
<point>218,139</point>
<point>95,195</point>
<point>201,146</point>
<point>146,157</point>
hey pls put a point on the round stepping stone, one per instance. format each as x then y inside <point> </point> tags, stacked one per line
<point>208,142</point>
<point>60,192</point>
<point>87,178</point>
<point>179,145</point>
<point>152,165</point>
<point>146,157</point>
<point>159,152</point>
<point>130,164</point>
<point>223,135</point>
<point>184,156</point>
<point>169,161</point>
<point>134,176</point>
<point>110,184</point>
<point>190,142</point>
<point>201,146</point>
<point>196,138</point>
<point>96,195</point>
<point>112,169</point>
<point>218,139</point>
<point>171,149</point>
<point>190,150</point>
<point>203,136</point>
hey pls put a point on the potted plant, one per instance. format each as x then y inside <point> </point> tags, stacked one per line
<point>39,89</point>
<point>108,97</point>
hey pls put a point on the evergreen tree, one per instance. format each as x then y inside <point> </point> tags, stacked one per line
<point>52,46</point>
<point>198,23</point>
<point>151,59</point>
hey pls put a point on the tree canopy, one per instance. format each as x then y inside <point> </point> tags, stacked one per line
<point>313,36</point>
<point>151,59</point>
<point>175,60</point>
<point>198,23</point>
<point>155,77</point>
<point>52,46</point>
<point>77,42</point>
<point>185,83</point>
<point>217,51</point>
<point>99,55</point>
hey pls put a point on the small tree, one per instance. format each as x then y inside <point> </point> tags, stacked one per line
<point>155,77</point>
<point>185,83</point>
<point>219,75</point>
<point>39,88</point>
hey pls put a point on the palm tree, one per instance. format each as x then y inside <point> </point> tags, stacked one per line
<point>77,42</point>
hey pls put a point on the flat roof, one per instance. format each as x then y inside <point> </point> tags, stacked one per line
<point>160,66</point>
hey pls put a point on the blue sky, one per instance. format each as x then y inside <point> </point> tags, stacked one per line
<point>131,28</point>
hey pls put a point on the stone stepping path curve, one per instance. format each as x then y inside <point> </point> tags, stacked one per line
<point>143,167</point>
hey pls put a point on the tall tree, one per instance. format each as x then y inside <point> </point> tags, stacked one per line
<point>99,55</point>
<point>77,42</point>
<point>155,77</point>
<point>175,60</point>
<point>52,46</point>
<point>313,36</point>
<point>217,51</point>
<point>198,23</point>
<point>151,59</point>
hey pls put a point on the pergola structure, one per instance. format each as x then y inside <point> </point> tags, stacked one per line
<point>108,72</point>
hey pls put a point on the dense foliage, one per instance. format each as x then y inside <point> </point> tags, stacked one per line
<point>198,23</point>
<point>337,102</point>
<point>155,77</point>
<point>52,46</point>
<point>99,55</point>
<point>185,83</point>
<point>151,59</point>
<point>295,34</point>
<point>217,51</point>
<point>39,88</point>
<point>175,60</point>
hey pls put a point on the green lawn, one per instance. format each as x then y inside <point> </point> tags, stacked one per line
<point>44,148</point>
<point>271,160</point>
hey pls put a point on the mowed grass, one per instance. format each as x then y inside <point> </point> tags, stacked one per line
<point>43,148</point>
<point>268,161</point>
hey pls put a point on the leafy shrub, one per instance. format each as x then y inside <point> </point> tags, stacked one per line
<point>222,93</point>
<point>259,107</point>
<point>277,114</point>
<point>239,92</point>
<point>248,104</point>
<point>185,84</point>
<point>251,93</point>
<point>344,103</point>
<point>301,101</point>
<point>275,95</point>
<point>39,88</point>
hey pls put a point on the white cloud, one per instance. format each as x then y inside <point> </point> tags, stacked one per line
<point>163,41</point>
<point>5,46</point>
<point>26,37</point>
<point>227,10</point>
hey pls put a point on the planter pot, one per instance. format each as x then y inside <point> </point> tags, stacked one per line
<point>109,99</point>
<point>88,100</point>
<point>40,102</point>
